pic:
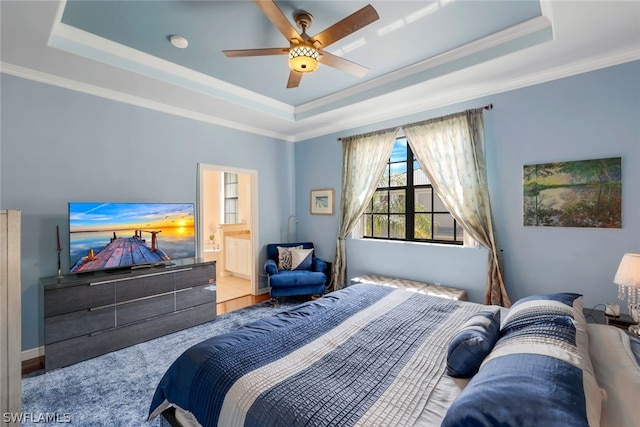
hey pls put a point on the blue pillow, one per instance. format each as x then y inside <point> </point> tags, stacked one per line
<point>539,372</point>
<point>472,343</point>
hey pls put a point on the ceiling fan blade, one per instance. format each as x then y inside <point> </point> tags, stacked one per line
<point>294,79</point>
<point>256,52</point>
<point>275,15</point>
<point>342,64</point>
<point>348,25</point>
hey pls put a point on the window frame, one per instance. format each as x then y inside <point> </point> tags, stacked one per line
<point>410,211</point>
<point>230,199</point>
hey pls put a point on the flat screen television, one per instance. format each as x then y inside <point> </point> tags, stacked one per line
<point>104,236</point>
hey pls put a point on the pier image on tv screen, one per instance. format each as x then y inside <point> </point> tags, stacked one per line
<point>116,235</point>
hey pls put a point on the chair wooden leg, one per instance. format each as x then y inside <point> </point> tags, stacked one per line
<point>273,302</point>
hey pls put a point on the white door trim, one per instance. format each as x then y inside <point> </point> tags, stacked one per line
<point>202,168</point>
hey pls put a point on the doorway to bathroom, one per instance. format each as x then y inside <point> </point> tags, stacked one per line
<point>227,230</point>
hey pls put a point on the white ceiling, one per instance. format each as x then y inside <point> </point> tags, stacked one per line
<point>421,55</point>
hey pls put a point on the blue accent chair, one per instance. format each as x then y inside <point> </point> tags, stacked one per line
<point>285,283</point>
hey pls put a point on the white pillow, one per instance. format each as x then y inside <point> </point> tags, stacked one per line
<point>284,256</point>
<point>617,373</point>
<point>301,259</point>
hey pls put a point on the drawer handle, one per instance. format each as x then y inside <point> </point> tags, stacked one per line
<point>93,334</point>
<point>125,279</point>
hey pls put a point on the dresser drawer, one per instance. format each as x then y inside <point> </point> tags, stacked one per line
<point>196,276</point>
<point>135,311</point>
<point>142,286</point>
<point>70,325</point>
<point>75,298</point>
<point>195,296</point>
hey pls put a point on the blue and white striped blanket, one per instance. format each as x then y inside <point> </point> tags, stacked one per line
<point>365,355</point>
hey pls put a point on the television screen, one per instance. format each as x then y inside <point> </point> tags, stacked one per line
<point>117,235</point>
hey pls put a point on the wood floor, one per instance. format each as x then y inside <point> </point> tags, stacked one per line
<point>233,293</point>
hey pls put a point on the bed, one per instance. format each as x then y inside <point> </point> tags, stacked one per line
<point>372,355</point>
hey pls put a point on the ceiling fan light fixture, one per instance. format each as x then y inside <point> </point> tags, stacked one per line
<point>303,58</point>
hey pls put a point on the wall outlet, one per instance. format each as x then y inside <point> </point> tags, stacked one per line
<point>611,309</point>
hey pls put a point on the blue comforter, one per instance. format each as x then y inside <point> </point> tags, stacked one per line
<point>332,361</point>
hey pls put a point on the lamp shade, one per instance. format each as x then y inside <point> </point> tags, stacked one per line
<point>628,273</point>
<point>303,58</point>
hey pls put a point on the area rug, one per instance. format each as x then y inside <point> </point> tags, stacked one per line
<point>116,389</point>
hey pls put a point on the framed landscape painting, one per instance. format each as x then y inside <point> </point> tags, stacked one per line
<point>584,193</point>
<point>322,202</point>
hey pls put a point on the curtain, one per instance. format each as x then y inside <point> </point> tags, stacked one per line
<point>450,150</point>
<point>364,158</point>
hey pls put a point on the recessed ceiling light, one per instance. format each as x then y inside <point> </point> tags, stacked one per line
<point>179,42</point>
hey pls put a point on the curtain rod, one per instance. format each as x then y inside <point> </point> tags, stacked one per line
<point>487,107</point>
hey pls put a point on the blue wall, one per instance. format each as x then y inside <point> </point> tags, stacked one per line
<point>592,115</point>
<point>58,145</point>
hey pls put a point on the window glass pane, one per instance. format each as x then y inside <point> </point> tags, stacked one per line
<point>398,174</point>
<point>397,226</point>
<point>380,202</point>
<point>399,152</point>
<point>384,179</point>
<point>438,205</point>
<point>368,208</point>
<point>230,177</point>
<point>419,177</point>
<point>459,233</point>
<point>368,225</point>
<point>230,190</point>
<point>422,227</point>
<point>397,203</point>
<point>422,201</point>
<point>380,226</point>
<point>443,227</point>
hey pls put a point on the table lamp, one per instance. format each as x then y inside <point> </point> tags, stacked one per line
<point>628,280</point>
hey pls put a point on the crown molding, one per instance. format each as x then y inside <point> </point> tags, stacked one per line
<point>74,40</point>
<point>112,95</point>
<point>356,115</point>
<point>516,32</point>
<point>533,79</point>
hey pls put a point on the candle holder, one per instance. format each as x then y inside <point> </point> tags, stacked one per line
<point>59,276</point>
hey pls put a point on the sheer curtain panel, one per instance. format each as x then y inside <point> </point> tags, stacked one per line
<point>363,160</point>
<point>450,151</point>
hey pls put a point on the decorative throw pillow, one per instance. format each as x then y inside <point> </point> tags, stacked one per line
<point>539,372</point>
<point>284,256</point>
<point>472,343</point>
<point>301,259</point>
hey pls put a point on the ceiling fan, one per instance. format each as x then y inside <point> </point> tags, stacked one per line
<point>306,52</point>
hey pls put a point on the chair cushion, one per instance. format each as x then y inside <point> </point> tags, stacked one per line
<point>301,259</point>
<point>293,278</point>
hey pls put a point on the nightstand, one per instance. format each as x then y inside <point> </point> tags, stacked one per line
<point>597,316</point>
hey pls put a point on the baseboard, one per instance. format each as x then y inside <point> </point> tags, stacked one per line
<point>32,360</point>
<point>32,353</point>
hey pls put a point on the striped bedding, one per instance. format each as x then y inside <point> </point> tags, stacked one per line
<point>365,355</point>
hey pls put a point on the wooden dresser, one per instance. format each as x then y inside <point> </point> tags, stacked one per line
<point>89,315</point>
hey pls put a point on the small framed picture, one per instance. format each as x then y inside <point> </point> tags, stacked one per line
<point>322,202</point>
